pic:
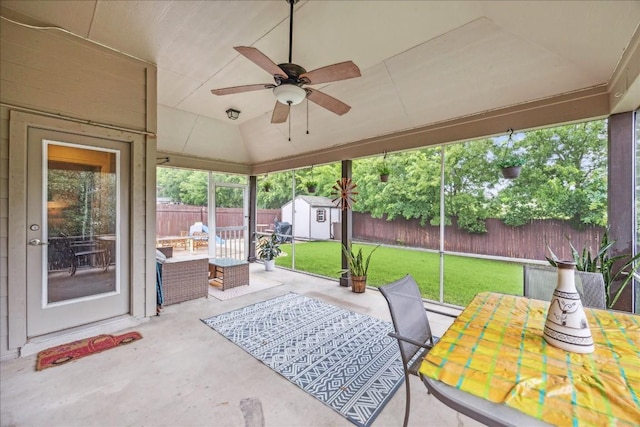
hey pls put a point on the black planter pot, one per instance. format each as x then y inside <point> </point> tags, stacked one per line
<point>512,172</point>
<point>384,178</point>
<point>311,189</point>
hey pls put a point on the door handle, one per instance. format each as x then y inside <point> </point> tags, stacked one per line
<point>37,242</point>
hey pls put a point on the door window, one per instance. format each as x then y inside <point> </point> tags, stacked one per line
<point>81,218</point>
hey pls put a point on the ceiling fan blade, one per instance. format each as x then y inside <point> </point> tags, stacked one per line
<point>261,60</point>
<point>332,73</point>
<point>280,113</point>
<point>240,89</point>
<point>328,102</point>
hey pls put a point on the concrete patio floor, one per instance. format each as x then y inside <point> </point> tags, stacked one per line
<point>182,373</point>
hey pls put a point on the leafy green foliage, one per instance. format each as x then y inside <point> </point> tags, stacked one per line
<point>383,168</point>
<point>310,183</point>
<point>87,199</point>
<point>603,263</point>
<point>358,264</point>
<point>565,178</point>
<point>510,161</point>
<point>191,187</point>
<point>268,248</point>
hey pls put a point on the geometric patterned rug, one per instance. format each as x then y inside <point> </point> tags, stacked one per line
<point>344,359</point>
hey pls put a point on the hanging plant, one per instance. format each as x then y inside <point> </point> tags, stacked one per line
<point>383,171</point>
<point>311,185</point>
<point>509,161</point>
<point>511,165</point>
<point>266,186</point>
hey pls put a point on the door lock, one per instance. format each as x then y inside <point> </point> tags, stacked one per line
<point>37,242</point>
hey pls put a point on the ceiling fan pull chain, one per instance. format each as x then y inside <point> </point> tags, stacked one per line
<point>290,119</point>
<point>307,116</point>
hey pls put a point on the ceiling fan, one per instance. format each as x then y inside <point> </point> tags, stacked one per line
<point>291,80</point>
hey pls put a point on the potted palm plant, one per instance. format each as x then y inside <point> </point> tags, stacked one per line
<point>268,249</point>
<point>358,267</point>
<point>511,165</point>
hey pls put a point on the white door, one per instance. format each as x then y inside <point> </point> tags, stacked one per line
<point>78,228</point>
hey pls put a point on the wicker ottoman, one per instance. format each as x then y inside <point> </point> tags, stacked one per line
<point>184,279</point>
<point>228,272</point>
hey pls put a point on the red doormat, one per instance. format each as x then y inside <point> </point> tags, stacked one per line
<point>75,350</point>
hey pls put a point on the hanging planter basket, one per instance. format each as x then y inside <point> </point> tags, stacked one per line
<point>511,172</point>
<point>311,188</point>
<point>384,178</point>
<point>510,160</point>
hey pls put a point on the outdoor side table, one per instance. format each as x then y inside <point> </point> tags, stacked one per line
<point>184,278</point>
<point>228,272</point>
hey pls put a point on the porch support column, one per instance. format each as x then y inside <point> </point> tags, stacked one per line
<point>347,228</point>
<point>253,210</point>
<point>621,207</point>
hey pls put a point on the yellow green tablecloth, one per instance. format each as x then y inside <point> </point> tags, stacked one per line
<point>495,350</point>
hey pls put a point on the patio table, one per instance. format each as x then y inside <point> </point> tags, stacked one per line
<point>185,242</point>
<point>228,272</point>
<point>493,365</point>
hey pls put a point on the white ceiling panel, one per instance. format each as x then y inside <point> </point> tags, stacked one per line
<point>174,128</point>
<point>593,38</point>
<point>485,63</point>
<point>173,87</point>
<point>216,139</point>
<point>422,62</point>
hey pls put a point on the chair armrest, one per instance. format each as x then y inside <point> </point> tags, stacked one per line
<point>414,342</point>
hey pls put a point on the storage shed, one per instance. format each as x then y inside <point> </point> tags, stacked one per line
<point>315,217</point>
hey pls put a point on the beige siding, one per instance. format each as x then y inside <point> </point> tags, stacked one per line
<point>45,74</point>
<point>58,73</point>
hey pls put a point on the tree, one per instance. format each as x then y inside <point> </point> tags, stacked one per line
<point>565,177</point>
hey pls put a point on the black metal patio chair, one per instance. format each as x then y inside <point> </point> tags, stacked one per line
<point>411,326</point>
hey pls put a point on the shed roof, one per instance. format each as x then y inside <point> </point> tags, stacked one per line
<point>317,201</point>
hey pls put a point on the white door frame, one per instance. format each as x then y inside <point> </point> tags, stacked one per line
<point>142,244</point>
<point>212,213</point>
<point>43,315</point>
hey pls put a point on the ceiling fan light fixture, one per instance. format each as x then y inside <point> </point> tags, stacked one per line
<point>289,94</point>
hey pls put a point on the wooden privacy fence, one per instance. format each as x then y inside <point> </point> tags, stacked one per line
<point>173,219</point>
<point>528,241</point>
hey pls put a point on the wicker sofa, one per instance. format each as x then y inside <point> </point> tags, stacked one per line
<point>185,278</point>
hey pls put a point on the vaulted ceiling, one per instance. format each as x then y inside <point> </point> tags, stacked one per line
<point>432,71</point>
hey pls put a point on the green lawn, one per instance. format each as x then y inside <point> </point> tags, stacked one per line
<point>463,276</point>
